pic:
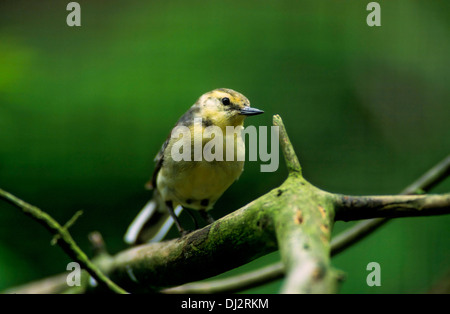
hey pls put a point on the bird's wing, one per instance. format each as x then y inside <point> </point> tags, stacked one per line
<point>186,119</point>
<point>159,159</point>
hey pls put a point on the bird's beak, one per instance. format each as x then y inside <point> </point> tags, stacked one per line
<point>248,111</point>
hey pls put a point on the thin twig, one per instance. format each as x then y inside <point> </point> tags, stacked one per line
<point>66,241</point>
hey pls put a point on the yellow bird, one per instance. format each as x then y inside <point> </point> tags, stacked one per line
<point>194,183</point>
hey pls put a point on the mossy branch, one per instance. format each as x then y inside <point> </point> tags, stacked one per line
<point>339,243</point>
<point>296,218</point>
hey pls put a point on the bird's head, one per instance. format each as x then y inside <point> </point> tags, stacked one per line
<point>225,107</point>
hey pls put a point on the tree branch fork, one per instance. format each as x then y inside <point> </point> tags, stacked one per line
<point>296,218</point>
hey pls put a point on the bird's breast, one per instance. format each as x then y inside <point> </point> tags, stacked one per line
<point>198,184</point>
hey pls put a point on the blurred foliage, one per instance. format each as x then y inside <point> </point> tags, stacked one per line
<point>84,110</point>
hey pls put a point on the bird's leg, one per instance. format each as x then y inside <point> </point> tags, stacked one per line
<point>206,216</point>
<point>181,230</point>
<point>192,216</point>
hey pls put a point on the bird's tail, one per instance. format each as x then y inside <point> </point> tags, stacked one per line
<point>152,223</point>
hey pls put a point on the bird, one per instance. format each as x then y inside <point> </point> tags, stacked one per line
<point>194,184</point>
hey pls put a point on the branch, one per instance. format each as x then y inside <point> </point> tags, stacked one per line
<point>202,253</point>
<point>240,282</point>
<point>303,229</point>
<point>424,183</point>
<point>342,241</point>
<point>297,218</point>
<point>339,243</point>
<point>386,207</point>
<point>391,206</point>
<point>66,241</point>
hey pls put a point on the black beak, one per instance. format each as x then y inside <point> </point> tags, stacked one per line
<point>248,111</point>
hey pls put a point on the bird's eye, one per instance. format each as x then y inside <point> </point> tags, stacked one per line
<point>226,101</point>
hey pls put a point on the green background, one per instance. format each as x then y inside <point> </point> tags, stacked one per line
<point>83,111</point>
